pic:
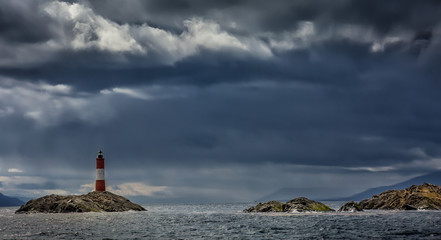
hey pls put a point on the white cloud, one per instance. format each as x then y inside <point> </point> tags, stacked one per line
<point>91,30</point>
<point>44,192</point>
<point>300,38</point>
<point>154,92</point>
<point>137,189</point>
<point>12,181</point>
<point>85,188</point>
<point>373,169</point>
<point>380,45</point>
<point>48,104</point>
<point>77,27</point>
<point>58,88</point>
<point>208,34</point>
<point>169,47</point>
<point>36,115</point>
<point>198,34</point>
<point>128,92</point>
<point>14,170</point>
<point>306,34</point>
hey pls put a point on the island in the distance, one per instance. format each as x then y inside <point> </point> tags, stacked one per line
<point>417,197</point>
<point>300,204</point>
<point>97,201</point>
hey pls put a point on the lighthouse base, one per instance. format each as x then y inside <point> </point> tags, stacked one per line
<point>100,186</point>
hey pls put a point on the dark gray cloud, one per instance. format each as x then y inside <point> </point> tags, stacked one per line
<point>20,23</point>
<point>188,96</point>
<point>281,15</point>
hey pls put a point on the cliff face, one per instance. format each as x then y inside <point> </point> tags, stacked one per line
<point>300,204</point>
<point>426,196</point>
<point>91,202</point>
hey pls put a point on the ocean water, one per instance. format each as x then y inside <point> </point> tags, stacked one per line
<point>220,221</point>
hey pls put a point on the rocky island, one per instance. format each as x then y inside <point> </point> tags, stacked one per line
<point>91,202</point>
<point>300,204</point>
<point>351,207</point>
<point>417,197</point>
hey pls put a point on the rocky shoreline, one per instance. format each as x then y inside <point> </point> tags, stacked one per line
<point>91,202</point>
<point>300,204</point>
<point>417,197</point>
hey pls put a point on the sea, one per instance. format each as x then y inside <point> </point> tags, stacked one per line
<point>220,221</point>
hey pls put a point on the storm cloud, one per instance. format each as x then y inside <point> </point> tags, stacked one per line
<point>218,100</point>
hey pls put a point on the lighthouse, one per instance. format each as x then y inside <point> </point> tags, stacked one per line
<point>100,183</point>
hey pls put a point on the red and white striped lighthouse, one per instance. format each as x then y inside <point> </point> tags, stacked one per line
<point>100,183</point>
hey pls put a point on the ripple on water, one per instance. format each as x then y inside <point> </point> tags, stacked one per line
<point>192,221</point>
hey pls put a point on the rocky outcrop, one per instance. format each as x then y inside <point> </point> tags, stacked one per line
<point>426,196</point>
<point>300,204</point>
<point>91,202</point>
<point>271,206</point>
<point>303,204</point>
<point>351,207</point>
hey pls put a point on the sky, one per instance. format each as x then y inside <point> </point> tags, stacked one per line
<point>218,101</point>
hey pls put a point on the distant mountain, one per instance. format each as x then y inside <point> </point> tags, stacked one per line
<point>6,201</point>
<point>434,178</point>
<point>285,194</point>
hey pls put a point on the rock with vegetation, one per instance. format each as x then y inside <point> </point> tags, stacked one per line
<point>426,196</point>
<point>300,204</point>
<point>351,207</point>
<point>91,202</point>
<point>271,206</point>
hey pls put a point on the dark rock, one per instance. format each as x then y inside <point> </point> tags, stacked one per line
<point>408,207</point>
<point>300,204</point>
<point>425,196</point>
<point>351,207</point>
<point>271,206</point>
<point>91,202</point>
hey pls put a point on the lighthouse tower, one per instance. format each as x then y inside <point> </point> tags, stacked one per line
<point>100,184</point>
